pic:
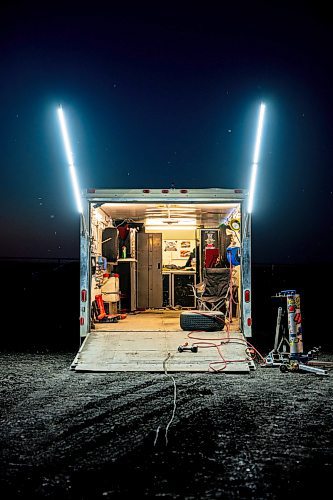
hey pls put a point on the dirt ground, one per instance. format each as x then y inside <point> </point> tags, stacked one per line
<point>88,436</point>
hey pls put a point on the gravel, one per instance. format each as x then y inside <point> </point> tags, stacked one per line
<point>83,436</point>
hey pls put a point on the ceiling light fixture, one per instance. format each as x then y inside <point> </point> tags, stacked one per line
<point>170,228</point>
<point>165,222</point>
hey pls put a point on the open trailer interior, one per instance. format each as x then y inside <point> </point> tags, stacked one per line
<point>165,278</point>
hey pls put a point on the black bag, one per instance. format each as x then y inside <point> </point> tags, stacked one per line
<point>110,244</point>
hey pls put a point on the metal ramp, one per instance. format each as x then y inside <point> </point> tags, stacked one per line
<point>146,351</point>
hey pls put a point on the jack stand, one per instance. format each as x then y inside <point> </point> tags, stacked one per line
<point>276,357</point>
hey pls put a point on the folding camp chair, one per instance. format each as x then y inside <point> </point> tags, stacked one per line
<point>213,292</point>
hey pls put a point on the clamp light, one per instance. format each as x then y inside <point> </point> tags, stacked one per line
<point>70,159</point>
<point>256,157</point>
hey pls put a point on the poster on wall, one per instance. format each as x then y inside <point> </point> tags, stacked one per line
<point>179,249</point>
<point>185,244</point>
<point>184,254</point>
<point>185,249</point>
<point>170,246</point>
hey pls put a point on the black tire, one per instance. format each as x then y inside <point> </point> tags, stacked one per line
<point>110,244</point>
<point>202,320</point>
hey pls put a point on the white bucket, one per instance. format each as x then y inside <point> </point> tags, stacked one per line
<point>110,289</point>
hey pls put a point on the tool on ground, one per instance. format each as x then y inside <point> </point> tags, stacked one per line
<point>295,360</point>
<point>186,347</point>
<point>295,366</point>
<point>279,352</point>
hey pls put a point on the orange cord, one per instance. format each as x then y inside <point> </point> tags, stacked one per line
<point>252,353</point>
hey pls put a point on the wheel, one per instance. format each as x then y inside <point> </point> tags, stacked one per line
<point>283,368</point>
<point>202,320</point>
<point>110,244</point>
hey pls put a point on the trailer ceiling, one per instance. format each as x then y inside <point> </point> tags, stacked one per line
<point>207,213</point>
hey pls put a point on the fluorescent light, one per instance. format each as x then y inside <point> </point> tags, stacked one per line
<point>252,186</point>
<point>70,160</point>
<point>259,133</point>
<point>170,228</point>
<point>171,209</point>
<point>256,157</point>
<point>171,222</point>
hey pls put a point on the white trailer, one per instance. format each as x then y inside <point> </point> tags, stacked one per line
<point>160,246</point>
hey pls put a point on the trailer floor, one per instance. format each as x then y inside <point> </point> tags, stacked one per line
<point>155,320</point>
<point>149,341</point>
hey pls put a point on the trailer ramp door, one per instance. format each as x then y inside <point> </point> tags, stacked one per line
<point>147,351</point>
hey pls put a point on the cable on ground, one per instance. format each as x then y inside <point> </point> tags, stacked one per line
<point>174,403</point>
<point>252,354</point>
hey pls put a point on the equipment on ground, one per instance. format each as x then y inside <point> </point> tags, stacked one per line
<point>295,366</point>
<point>293,360</point>
<point>186,347</point>
<point>279,353</point>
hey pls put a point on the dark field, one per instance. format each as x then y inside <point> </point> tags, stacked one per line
<point>41,300</point>
<point>70,435</point>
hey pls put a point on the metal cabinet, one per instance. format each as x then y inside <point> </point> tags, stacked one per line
<point>167,299</point>
<point>149,282</point>
<point>127,284</point>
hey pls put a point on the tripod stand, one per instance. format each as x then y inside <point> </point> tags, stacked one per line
<point>293,360</point>
<point>277,356</point>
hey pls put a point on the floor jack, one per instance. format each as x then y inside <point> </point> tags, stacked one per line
<point>294,360</point>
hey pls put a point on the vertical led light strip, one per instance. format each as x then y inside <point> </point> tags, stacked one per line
<point>256,158</point>
<point>70,160</point>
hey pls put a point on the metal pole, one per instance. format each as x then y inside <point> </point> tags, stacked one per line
<point>277,330</point>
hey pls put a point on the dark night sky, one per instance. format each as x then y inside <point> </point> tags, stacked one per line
<point>161,95</point>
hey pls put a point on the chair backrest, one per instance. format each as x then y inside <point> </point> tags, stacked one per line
<point>216,282</point>
<point>200,287</point>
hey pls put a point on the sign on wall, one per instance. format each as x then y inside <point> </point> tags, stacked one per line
<point>177,249</point>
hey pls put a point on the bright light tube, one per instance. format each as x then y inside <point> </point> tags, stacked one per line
<point>256,158</point>
<point>252,186</point>
<point>259,133</point>
<point>168,228</point>
<point>70,160</point>
<point>170,222</point>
